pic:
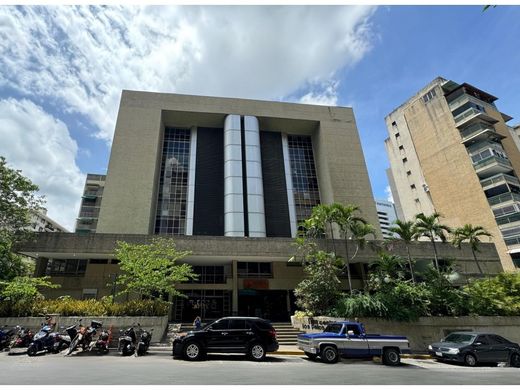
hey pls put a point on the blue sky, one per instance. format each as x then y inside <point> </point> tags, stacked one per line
<point>62,70</point>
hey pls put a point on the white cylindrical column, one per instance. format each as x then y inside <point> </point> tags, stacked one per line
<point>191,182</point>
<point>255,188</point>
<point>233,190</point>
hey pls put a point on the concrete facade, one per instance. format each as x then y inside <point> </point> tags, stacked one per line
<point>431,164</point>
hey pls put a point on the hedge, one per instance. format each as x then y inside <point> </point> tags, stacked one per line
<point>89,307</point>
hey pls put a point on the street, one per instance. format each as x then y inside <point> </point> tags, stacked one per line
<point>159,368</point>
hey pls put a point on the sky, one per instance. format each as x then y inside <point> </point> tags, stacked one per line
<point>62,70</point>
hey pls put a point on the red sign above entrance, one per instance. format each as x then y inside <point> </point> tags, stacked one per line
<point>256,284</point>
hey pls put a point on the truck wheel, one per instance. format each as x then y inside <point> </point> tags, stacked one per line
<point>192,351</point>
<point>329,354</point>
<point>311,356</point>
<point>391,357</point>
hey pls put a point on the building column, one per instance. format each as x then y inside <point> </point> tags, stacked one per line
<point>233,186</point>
<point>41,266</point>
<point>190,202</point>
<point>234,303</point>
<point>255,187</point>
<point>289,184</point>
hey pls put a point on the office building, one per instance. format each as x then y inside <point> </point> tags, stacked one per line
<point>387,216</point>
<point>90,204</point>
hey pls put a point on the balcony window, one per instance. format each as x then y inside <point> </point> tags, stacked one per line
<point>254,270</point>
<point>66,267</point>
<point>210,274</point>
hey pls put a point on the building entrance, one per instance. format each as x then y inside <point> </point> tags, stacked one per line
<point>269,304</point>
<point>208,304</point>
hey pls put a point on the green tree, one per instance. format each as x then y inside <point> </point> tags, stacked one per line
<point>406,231</point>
<point>472,235</point>
<point>499,295</point>
<point>429,226</point>
<point>321,288</point>
<point>25,288</point>
<point>18,200</point>
<point>387,269</point>
<point>150,269</point>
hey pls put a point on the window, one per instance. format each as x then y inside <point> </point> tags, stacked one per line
<point>254,270</point>
<point>173,183</point>
<point>397,135</point>
<point>417,200</point>
<point>89,293</point>
<point>209,274</point>
<point>412,186</point>
<point>408,173</point>
<point>429,96</point>
<point>238,324</point>
<point>114,261</point>
<point>98,261</point>
<point>220,325</point>
<point>394,124</point>
<point>305,181</point>
<point>482,339</point>
<point>353,328</point>
<point>66,267</point>
<point>401,147</point>
<point>405,160</point>
<point>496,339</point>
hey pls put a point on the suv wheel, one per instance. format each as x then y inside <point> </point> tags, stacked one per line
<point>329,354</point>
<point>257,352</point>
<point>515,360</point>
<point>470,360</point>
<point>192,351</point>
<point>391,357</point>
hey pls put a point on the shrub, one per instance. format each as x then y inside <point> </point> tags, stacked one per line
<point>90,307</point>
<point>495,296</point>
<point>405,301</point>
<point>359,305</point>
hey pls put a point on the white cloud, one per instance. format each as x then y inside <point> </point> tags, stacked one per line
<point>389,195</point>
<point>324,95</point>
<point>79,58</point>
<point>40,145</point>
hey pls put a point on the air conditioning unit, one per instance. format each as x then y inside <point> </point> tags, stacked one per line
<point>426,188</point>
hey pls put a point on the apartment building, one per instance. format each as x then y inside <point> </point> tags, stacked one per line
<point>451,151</point>
<point>90,203</point>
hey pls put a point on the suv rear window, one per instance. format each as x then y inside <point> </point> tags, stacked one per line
<point>263,325</point>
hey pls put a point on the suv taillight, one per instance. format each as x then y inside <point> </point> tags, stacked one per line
<point>272,333</point>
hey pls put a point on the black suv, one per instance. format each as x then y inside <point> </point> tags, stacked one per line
<point>251,335</point>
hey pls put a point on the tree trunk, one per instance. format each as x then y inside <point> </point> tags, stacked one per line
<point>476,261</point>
<point>332,236</point>
<point>435,254</point>
<point>410,263</point>
<point>347,261</point>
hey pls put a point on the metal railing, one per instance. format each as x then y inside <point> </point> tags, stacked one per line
<point>503,198</point>
<point>469,112</point>
<point>512,241</point>
<point>501,177</point>
<point>508,219</point>
<point>491,160</point>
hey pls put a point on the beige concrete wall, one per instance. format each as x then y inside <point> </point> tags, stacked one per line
<point>426,330</point>
<point>130,186</point>
<point>341,168</point>
<point>454,186</point>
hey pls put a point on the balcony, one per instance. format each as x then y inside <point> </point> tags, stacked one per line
<point>492,166</point>
<point>479,132</point>
<point>510,218</point>
<point>90,195</point>
<point>499,179</point>
<point>503,198</point>
<point>472,115</point>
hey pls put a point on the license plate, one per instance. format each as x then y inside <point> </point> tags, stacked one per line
<point>438,353</point>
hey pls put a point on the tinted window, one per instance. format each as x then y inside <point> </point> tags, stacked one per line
<point>222,324</point>
<point>333,328</point>
<point>237,324</point>
<point>353,328</point>
<point>482,339</point>
<point>263,325</point>
<point>496,339</point>
<point>460,338</point>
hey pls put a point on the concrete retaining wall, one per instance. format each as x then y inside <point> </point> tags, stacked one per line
<point>426,330</point>
<point>159,324</point>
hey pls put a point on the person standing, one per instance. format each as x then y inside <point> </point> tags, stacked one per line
<point>197,324</point>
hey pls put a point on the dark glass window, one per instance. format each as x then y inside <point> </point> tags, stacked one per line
<point>98,261</point>
<point>173,183</point>
<point>254,270</point>
<point>220,325</point>
<point>66,267</point>
<point>238,324</point>
<point>482,339</point>
<point>210,274</point>
<point>303,172</point>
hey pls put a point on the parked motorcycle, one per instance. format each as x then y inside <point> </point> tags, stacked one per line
<point>145,338</point>
<point>5,337</point>
<point>42,341</point>
<point>61,340</point>
<point>22,339</point>
<point>103,341</point>
<point>127,341</point>
<point>83,337</point>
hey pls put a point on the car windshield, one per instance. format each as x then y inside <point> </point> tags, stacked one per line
<point>333,328</point>
<point>460,338</point>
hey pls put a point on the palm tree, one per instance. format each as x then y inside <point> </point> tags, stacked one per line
<point>471,234</point>
<point>349,222</point>
<point>323,215</point>
<point>388,266</point>
<point>429,226</point>
<point>406,231</point>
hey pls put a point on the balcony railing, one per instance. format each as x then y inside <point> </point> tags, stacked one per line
<point>512,241</point>
<point>466,114</point>
<point>492,160</point>
<point>508,219</point>
<point>502,198</point>
<point>500,178</point>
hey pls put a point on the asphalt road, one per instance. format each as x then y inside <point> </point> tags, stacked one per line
<point>160,368</point>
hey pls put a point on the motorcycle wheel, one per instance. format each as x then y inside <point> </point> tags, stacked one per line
<point>72,345</point>
<point>32,350</point>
